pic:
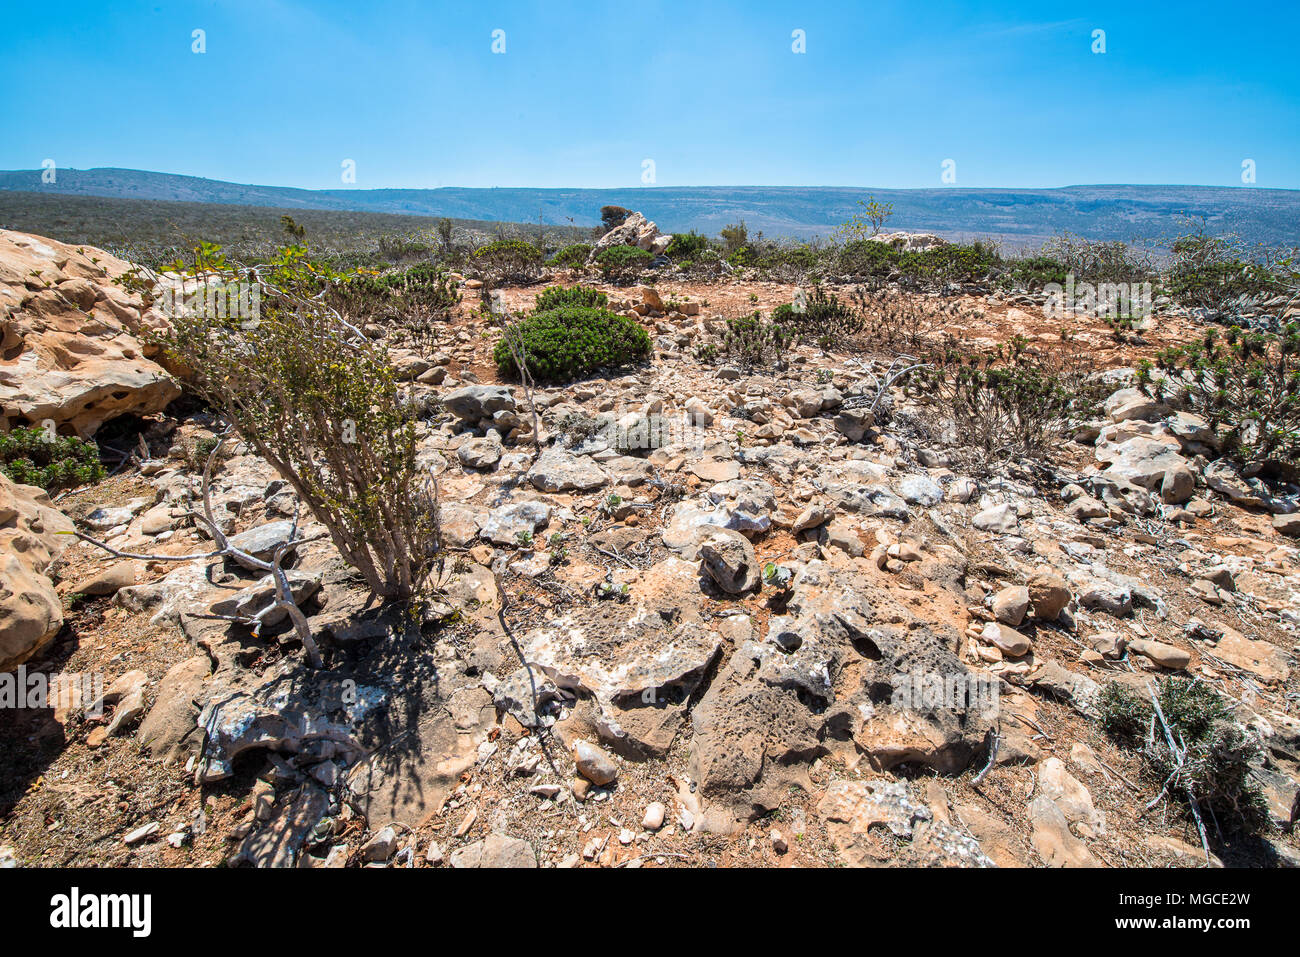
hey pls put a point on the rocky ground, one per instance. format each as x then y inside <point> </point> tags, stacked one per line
<point>606,679</point>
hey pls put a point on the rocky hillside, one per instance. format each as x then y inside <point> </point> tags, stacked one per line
<point>791,629</point>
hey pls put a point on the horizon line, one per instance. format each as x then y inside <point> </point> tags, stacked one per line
<point>647,188</point>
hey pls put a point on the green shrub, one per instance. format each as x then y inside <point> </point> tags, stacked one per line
<point>868,261</point>
<point>32,456</point>
<point>1216,768</point>
<point>424,288</point>
<point>507,260</point>
<point>948,265</point>
<point>555,297</point>
<point>611,217</point>
<point>1246,384</point>
<point>1010,402</point>
<point>1209,272</point>
<point>323,407</point>
<point>822,318</point>
<point>799,262</point>
<point>686,246</point>
<point>749,341</point>
<point>619,262</point>
<point>564,344</point>
<point>572,257</point>
<point>1035,272</point>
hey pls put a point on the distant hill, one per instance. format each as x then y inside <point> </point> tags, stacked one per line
<point>1016,216</point>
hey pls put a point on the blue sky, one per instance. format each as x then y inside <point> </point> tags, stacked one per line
<point>710,91</point>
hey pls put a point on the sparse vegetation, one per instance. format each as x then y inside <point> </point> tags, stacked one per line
<point>34,456</point>
<point>1245,383</point>
<point>566,343</point>
<point>623,262</point>
<point>320,403</point>
<point>1197,755</point>
<point>1006,403</point>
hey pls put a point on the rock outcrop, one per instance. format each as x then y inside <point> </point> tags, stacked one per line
<point>635,231</point>
<point>70,347</point>
<point>30,611</point>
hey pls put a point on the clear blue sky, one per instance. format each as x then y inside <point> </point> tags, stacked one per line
<point>711,91</point>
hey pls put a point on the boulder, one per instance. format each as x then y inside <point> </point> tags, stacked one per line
<point>476,402</point>
<point>31,613</point>
<point>70,346</point>
<point>496,850</point>
<point>637,231</point>
<point>557,470</point>
<point>1145,462</point>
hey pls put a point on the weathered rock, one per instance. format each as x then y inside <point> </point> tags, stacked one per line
<point>594,763</point>
<point>1129,404</point>
<point>170,730</point>
<point>920,490</point>
<point>496,850</point>
<point>480,453</point>
<point>1178,486</point>
<point>1145,462</point>
<point>559,471</point>
<point>1007,640</point>
<point>515,523</point>
<point>31,613</point>
<point>1011,604</point>
<point>1288,524</point>
<point>1048,594</point>
<point>728,558</point>
<point>73,353</point>
<point>281,843</point>
<point>640,660</point>
<point>107,581</point>
<point>476,402</point>
<point>851,809</point>
<point>262,541</point>
<point>251,601</point>
<point>996,518</point>
<point>1052,838</point>
<point>637,231</point>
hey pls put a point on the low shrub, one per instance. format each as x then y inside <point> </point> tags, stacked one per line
<point>820,318</point>
<point>623,262</point>
<point>563,344</point>
<point>865,260</point>
<point>1008,403</point>
<point>749,341</point>
<point>323,407</point>
<point>686,246</point>
<point>556,297</point>
<point>1246,384</point>
<point>572,257</point>
<point>425,288</point>
<point>35,456</point>
<point>1211,769</point>
<point>506,261</point>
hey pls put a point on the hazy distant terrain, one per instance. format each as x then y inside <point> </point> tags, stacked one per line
<point>153,231</point>
<point>1018,216</point>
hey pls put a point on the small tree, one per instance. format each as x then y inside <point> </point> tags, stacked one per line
<point>611,217</point>
<point>320,403</point>
<point>867,223</point>
<point>734,237</point>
